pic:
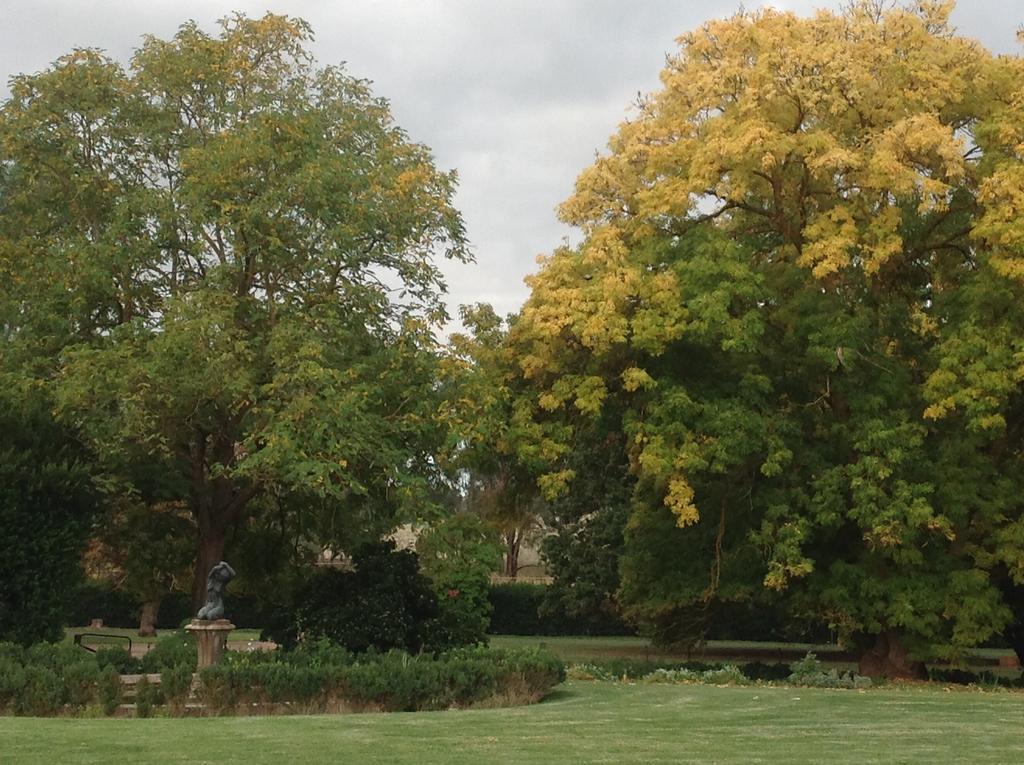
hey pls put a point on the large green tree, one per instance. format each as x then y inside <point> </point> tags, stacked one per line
<point>221,257</point>
<point>800,269</point>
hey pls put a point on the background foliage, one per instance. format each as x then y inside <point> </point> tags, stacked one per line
<point>47,506</point>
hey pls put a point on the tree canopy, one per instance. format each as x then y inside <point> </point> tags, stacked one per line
<point>799,287</point>
<point>492,444</point>
<point>220,258</point>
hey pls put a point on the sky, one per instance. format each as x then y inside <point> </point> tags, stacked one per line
<point>515,95</point>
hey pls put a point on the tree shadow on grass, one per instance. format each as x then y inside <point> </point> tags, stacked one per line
<point>559,695</point>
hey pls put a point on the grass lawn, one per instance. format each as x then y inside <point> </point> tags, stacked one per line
<point>581,722</point>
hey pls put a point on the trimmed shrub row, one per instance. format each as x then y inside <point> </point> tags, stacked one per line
<point>53,679</point>
<point>45,678</point>
<point>393,681</point>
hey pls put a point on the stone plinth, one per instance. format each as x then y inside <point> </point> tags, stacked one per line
<point>211,637</point>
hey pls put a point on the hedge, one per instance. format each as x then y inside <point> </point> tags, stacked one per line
<point>391,682</point>
<point>518,610</point>
<point>62,679</point>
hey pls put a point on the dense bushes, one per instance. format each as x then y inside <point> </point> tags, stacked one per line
<point>174,650</point>
<point>526,609</point>
<point>47,502</point>
<point>42,679</point>
<point>384,603</point>
<point>118,659</point>
<point>458,555</point>
<point>764,620</point>
<point>518,610</point>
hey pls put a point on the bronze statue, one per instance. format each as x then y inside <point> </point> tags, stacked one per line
<point>219,576</point>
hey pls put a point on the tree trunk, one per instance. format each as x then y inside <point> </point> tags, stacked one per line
<point>1015,635</point>
<point>513,541</point>
<point>147,619</point>
<point>889,658</point>
<point>217,504</point>
<point>211,552</point>
<point>1013,596</point>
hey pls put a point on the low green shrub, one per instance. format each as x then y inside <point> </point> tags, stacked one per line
<point>254,678</point>
<point>318,653</point>
<point>398,682</point>
<point>679,671</point>
<point>176,683</point>
<point>40,679</point>
<point>727,675</point>
<point>633,669</point>
<point>110,691</point>
<point>12,681</point>
<point>221,687</point>
<point>178,648</point>
<point>43,693</point>
<point>12,652</point>
<point>81,681</point>
<point>394,681</point>
<point>282,682</point>
<point>534,670</point>
<point>55,656</point>
<point>808,671</point>
<point>119,659</point>
<point>143,697</point>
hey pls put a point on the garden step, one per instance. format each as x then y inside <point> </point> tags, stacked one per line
<point>129,683</point>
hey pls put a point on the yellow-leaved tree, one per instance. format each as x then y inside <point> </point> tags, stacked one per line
<point>798,284</point>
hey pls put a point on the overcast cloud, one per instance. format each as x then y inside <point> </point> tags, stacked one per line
<point>516,95</point>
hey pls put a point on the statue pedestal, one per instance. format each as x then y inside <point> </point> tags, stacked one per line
<point>211,638</point>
